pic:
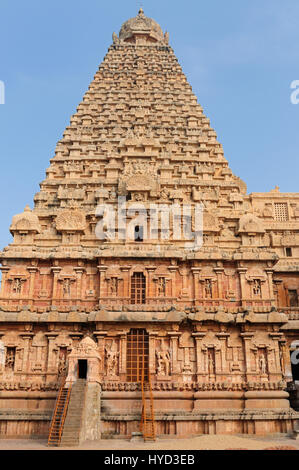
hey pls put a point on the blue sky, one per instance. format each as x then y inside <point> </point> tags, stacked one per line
<point>240,56</point>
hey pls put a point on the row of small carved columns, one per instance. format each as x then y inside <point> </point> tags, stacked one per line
<point>221,364</point>
<point>124,292</point>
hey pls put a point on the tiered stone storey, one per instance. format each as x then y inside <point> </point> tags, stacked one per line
<point>221,320</point>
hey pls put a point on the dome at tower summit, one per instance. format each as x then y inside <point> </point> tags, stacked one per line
<point>141,24</point>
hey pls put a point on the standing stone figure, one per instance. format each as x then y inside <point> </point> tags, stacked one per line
<point>163,359</point>
<point>262,364</point>
<point>112,360</point>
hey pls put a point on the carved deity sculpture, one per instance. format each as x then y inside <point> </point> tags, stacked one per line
<point>66,287</point>
<point>163,359</point>
<point>112,360</point>
<point>208,288</point>
<point>10,360</point>
<point>115,38</point>
<point>61,366</point>
<point>113,286</point>
<point>17,286</point>
<point>257,287</point>
<point>62,363</point>
<point>262,364</point>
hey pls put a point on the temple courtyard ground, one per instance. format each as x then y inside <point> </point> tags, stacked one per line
<point>206,442</point>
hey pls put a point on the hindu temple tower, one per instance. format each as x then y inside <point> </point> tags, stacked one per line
<point>212,327</point>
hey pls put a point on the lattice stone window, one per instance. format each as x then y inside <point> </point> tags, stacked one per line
<point>138,285</point>
<point>137,355</point>
<point>293,298</point>
<point>281,211</point>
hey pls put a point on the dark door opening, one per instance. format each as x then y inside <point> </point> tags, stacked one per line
<point>295,364</point>
<point>82,368</point>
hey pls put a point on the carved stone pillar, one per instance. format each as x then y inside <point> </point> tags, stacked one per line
<point>242,272</point>
<point>126,282</point>
<point>100,336</point>
<point>199,358</point>
<point>123,356</point>
<point>223,340</point>
<point>26,338</point>
<point>247,337</point>
<point>276,337</point>
<point>286,361</point>
<point>150,293</point>
<point>2,354</point>
<point>196,272</point>
<point>185,291</point>
<point>270,283</point>
<point>56,270</point>
<point>3,281</point>
<point>152,353</point>
<point>51,365</point>
<point>32,272</point>
<point>102,271</point>
<point>79,293</point>
<point>173,270</point>
<point>219,273</point>
<point>83,285</point>
<point>174,338</point>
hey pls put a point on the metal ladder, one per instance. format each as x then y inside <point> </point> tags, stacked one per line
<point>59,416</point>
<point>147,425</point>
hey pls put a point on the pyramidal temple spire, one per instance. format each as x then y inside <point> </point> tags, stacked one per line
<point>97,299</point>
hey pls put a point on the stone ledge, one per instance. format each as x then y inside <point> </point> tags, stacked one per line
<point>207,415</point>
<point>24,415</point>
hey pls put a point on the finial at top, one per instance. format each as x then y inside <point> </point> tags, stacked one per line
<point>141,27</point>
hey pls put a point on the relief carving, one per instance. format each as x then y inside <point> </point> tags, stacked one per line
<point>112,358</point>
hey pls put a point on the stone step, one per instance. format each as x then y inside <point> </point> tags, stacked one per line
<point>70,444</point>
<point>72,425</point>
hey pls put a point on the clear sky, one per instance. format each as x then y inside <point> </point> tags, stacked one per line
<point>240,56</point>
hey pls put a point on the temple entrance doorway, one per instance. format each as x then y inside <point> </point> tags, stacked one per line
<point>82,369</point>
<point>137,355</point>
<point>295,364</point>
<point>294,385</point>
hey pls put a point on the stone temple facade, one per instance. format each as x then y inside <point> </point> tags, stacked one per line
<point>83,276</point>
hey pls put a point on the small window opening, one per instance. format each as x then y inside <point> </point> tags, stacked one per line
<point>138,235</point>
<point>288,252</point>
